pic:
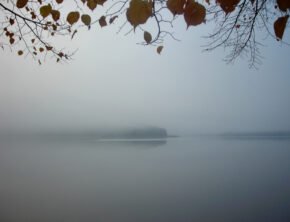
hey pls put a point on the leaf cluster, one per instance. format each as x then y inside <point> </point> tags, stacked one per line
<point>31,26</point>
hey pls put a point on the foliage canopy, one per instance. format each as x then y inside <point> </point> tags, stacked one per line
<point>30,26</point>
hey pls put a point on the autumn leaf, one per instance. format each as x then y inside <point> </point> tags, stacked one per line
<point>176,6</point>
<point>138,12</point>
<point>45,10</point>
<point>102,21</point>
<point>11,21</point>
<point>11,40</point>
<point>100,2</point>
<point>20,52</point>
<point>279,26</point>
<point>228,5</point>
<point>48,48</point>
<point>147,37</point>
<point>92,4</point>
<point>59,1</point>
<point>55,15</point>
<point>283,5</point>
<point>73,17</point>
<point>194,13</point>
<point>86,19</point>
<point>159,49</point>
<point>21,3</point>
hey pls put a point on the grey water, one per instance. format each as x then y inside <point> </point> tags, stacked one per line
<point>173,180</point>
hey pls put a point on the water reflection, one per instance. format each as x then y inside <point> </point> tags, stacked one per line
<point>182,180</point>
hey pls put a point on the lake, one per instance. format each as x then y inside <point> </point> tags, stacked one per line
<point>174,180</point>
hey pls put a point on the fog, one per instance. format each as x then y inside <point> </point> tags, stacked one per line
<point>114,82</point>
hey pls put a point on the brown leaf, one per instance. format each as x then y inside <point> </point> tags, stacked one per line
<point>55,15</point>
<point>21,3</point>
<point>102,21</point>
<point>86,19</point>
<point>283,5</point>
<point>92,4</point>
<point>176,6</point>
<point>139,11</point>
<point>159,49</point>
<point>73,17</point>
<point>194,13</point>
<point>228,5</point>
<point>48,48</point>
<point>11,21</point>
<point>20,52</point>
<point>279,26</point>
<point>100,2</point>
<point>11,40</point>
<point>59,1</point>
<point>45,10</point>
<point>147,37</point>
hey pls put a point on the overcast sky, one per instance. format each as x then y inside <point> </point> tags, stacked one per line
<point>112,81</point>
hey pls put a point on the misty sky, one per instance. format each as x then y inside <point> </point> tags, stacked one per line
<point>112,81</point>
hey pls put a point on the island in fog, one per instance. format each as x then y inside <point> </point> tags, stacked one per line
<point>112,133</point>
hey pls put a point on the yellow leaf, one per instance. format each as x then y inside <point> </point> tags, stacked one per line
<point>147,37</point>
<point>280,25</point>
<point>102,21</point>
<point>73,17</point>
<point>92,4</point>
<point>21,3</point>
<point>159,49</point>
<point>55,15</point>
<point>86,19</point>
<point>176,6</point>
<point>228,5</point>
<point>194,13</point>
<point>139,11</point>
<point>45,10</point>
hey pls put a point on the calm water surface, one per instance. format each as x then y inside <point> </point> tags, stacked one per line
<point>178,180</point>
